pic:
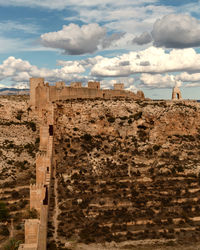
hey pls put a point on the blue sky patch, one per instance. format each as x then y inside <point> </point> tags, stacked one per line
<point>148,45</point>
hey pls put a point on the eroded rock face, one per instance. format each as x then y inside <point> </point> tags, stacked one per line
<point>127,170</point>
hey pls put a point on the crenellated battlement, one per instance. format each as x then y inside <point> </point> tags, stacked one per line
<point>37,195</point>
<point>36,230</point>
<point>36,186</point>
<point>41,94</point>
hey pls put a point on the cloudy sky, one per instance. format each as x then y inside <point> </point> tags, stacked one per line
<point>150,45</point>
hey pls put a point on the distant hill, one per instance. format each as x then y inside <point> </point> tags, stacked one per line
<point>13,91</point>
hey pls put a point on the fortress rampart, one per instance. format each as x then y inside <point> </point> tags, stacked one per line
<point>41,97</point>
<point>124,196</point>
<point>36,229</point>
<point>42,93</point>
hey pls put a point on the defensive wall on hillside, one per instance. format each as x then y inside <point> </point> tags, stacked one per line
<point>42,93</point>
<point>41,97</point>
<point>36,229</point>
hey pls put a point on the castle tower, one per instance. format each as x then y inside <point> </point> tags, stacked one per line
<point>43,168</point>
<point>31,232</point>
<point>94,85</point>
<point>176,94</point>
<point>60,84</point>
<point>42,238</point>
<point>118,86</point>
<point>37,195</point>
<point>34,82</point>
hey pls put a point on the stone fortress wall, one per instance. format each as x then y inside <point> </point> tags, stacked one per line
<point>36,229</point>
<point>41,93</point>
<point>41,97</point>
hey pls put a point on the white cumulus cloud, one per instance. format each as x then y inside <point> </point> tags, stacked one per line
<point>159,81</point>
<point>75,40</point>
<point>176,31</point>
<point>19,70</point>
<point>185,77</point>
<point>151,60</point>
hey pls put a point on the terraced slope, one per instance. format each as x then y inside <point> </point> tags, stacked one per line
<point>126,171</point>
<point>18,145</point>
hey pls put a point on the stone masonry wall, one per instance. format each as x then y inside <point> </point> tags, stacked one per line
<point>42,94</point>
<point>36,230</point>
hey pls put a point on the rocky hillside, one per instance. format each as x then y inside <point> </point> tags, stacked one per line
<point>19,141</point>
<point>127,172</point>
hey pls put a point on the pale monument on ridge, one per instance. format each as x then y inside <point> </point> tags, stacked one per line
<point>176,93</point>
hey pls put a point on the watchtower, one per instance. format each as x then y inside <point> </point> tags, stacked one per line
<point>119,86</point>
<point>34,82</point>
<point>37,195</point>
<point>94,85</point>
<point>60,84</point>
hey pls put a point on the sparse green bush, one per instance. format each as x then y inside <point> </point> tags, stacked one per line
<point>86,137</point>
<point>19,115</point>
<point>37,140</point>
<point>30,147</point>
<point>123,117</point>
<point>4,231</point>
<point>33,214</point>
<point>4,214</point>
<point>111,119</point>
<point>156,147</point>
<point>15,194</point>
<point>137,116</point>
<point>101,117</point>
<point>130,121</point>
<point>22,164</point>
<point>13,244</point>
<point>179,168</point>
<point>31,125</point>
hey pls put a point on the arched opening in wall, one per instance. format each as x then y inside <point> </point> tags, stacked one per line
<point>47,169</point>
<point>103,95</point>
<point>51,130</point>
<point>45,201</point>
<point>177,95</point>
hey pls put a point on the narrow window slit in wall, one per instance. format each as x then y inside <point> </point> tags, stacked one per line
<point>51,130</point>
